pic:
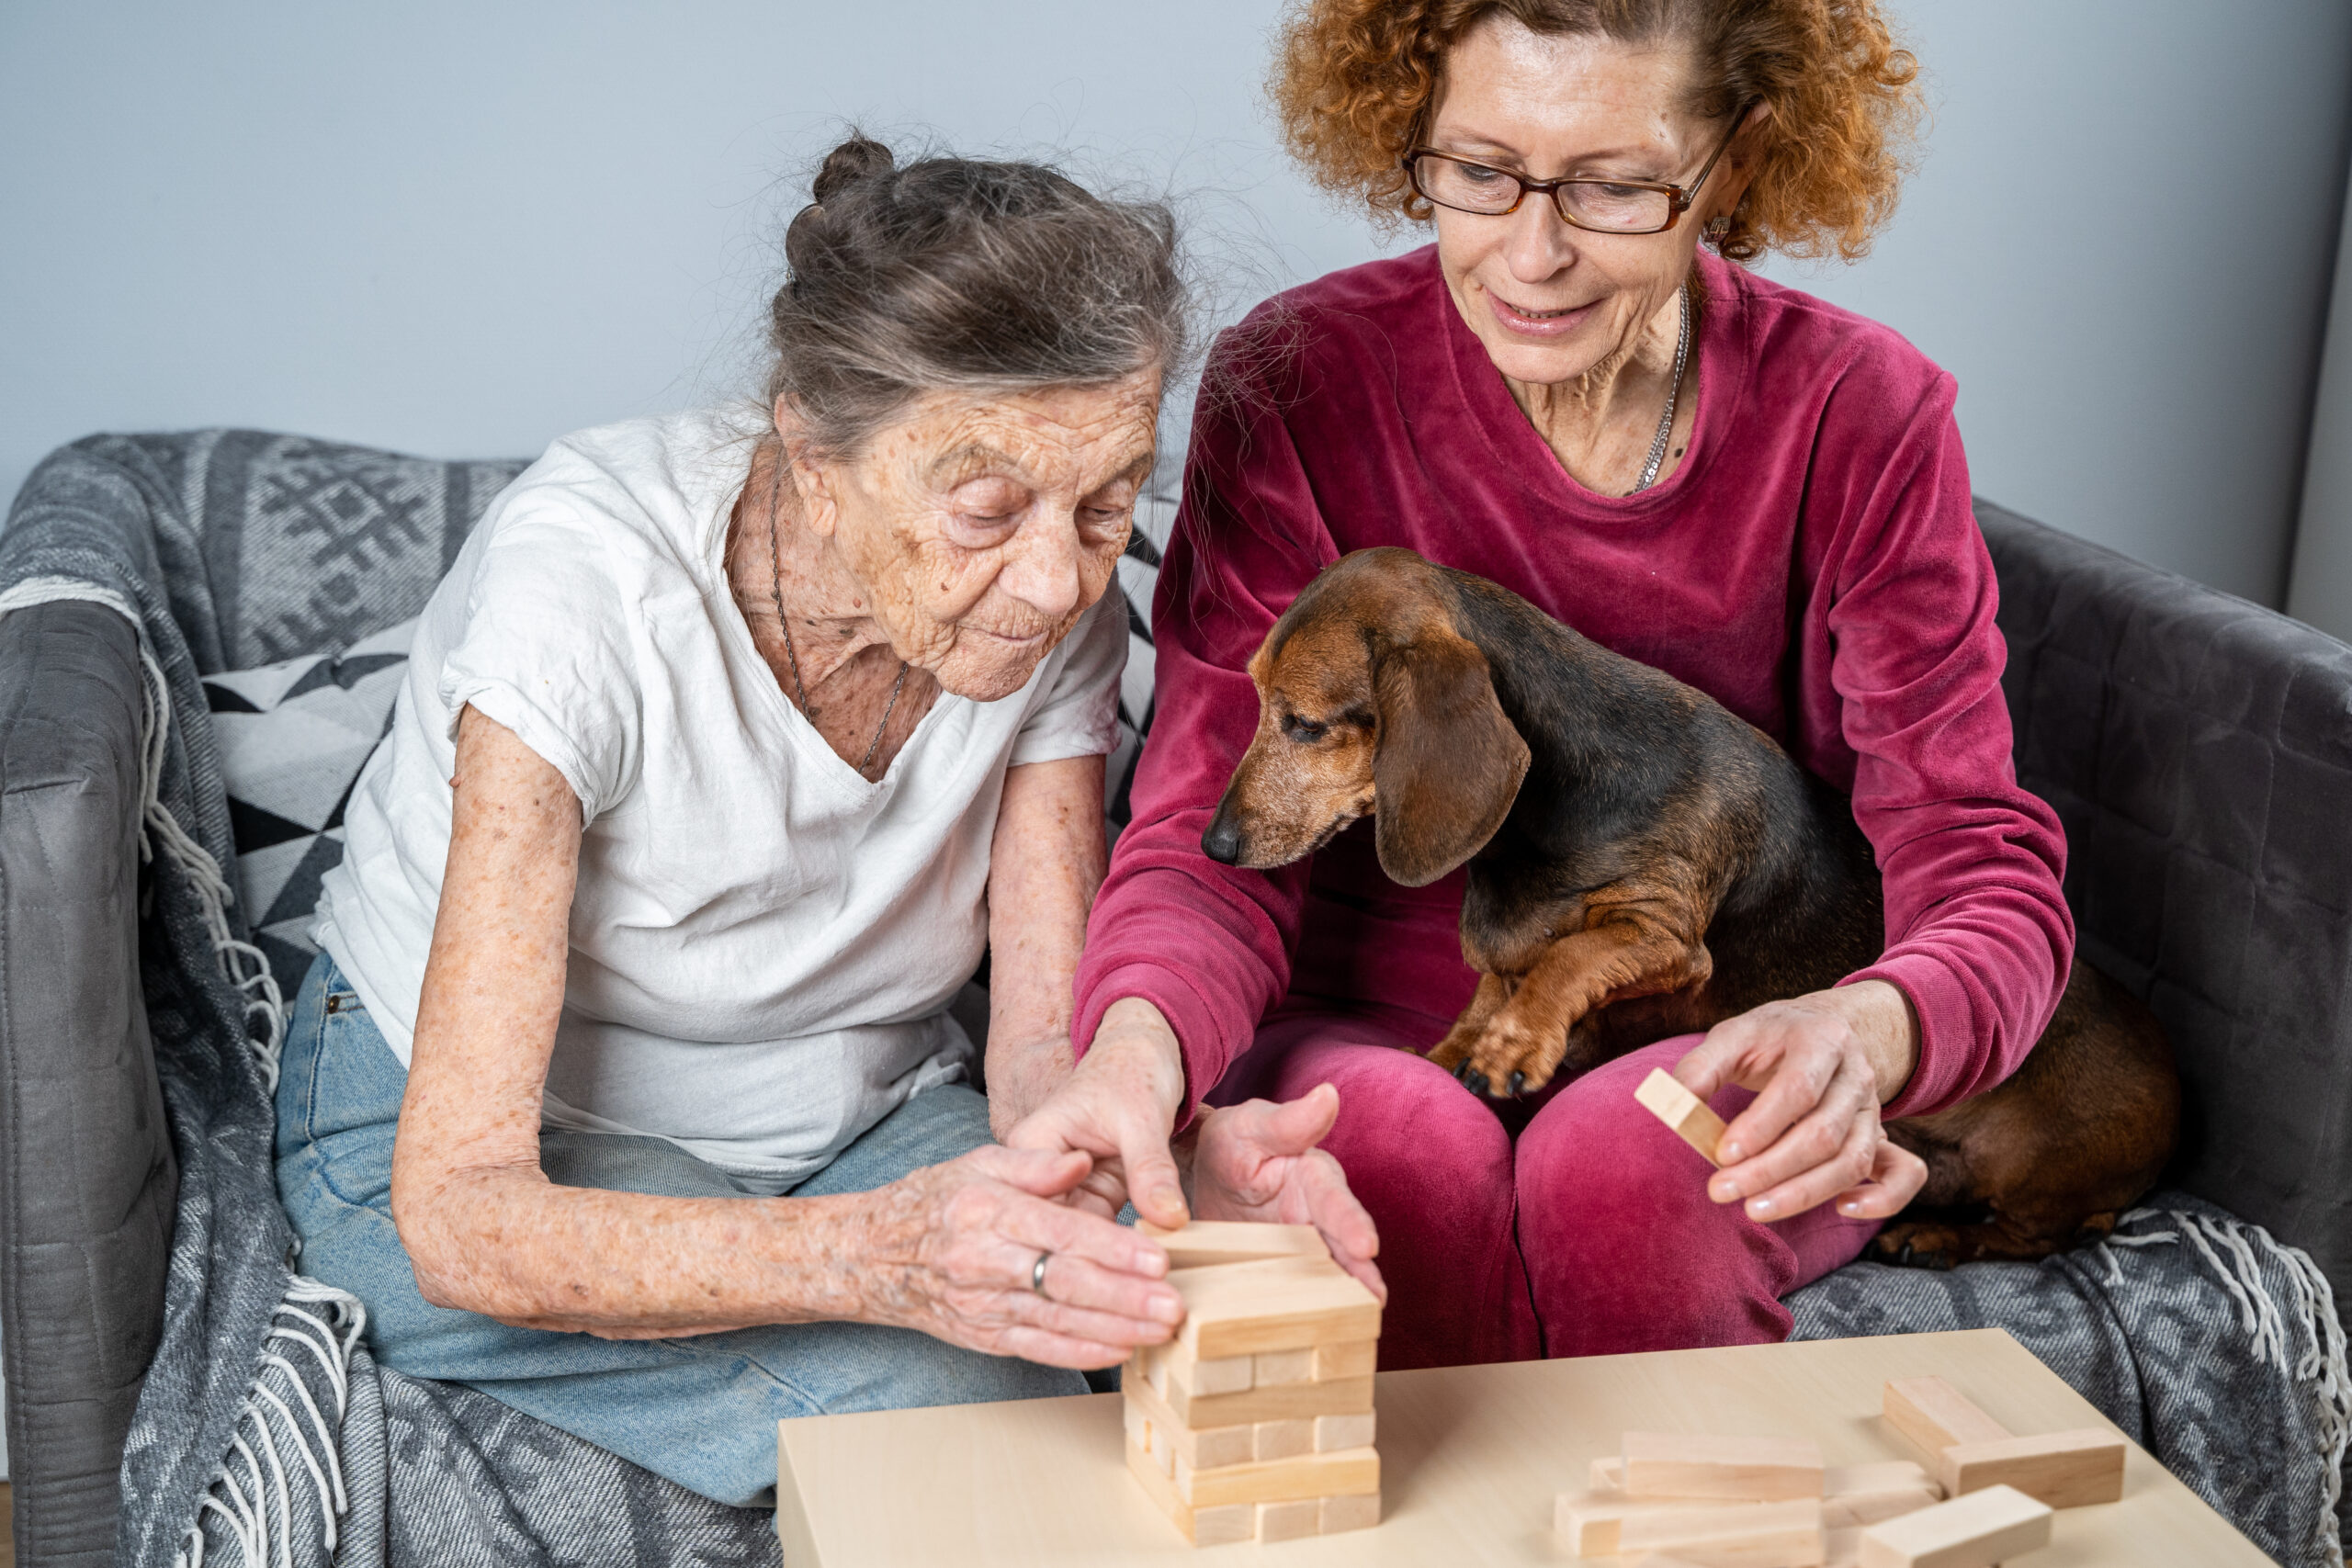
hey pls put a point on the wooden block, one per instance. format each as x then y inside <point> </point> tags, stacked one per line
<point>1206,1243</point>
<point>1359,1512</point>
<point>1355,1359</point>
<point>1202,1448</point>
<point>1333,1433</point>
<point>1271,1369</point>
<point>1285,1401</point>
<point>1283,1303</point>
<point>1841,1548</point>
<point>1854,1485</point>
<point>1289,1521</point>
<point>1974,1532</point>
<point>1215,1446</point>
<point>1227,1374</point>
<point>1667,1100</point>
<point>1737,1535</point>
<point>1869,1508</point>
<point>1281,1440</point>
<point>1587,1521</point>
<point>1201,1527</point>
<point>1865,1493</point>
<point>2064,1470</point>
<point>1931,1413</point>
<point>1592,1524</point>
<point>1703,1464</point>
<point>1281,1480</point>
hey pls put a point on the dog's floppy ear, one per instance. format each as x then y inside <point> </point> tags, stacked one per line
<point>1449,762</point>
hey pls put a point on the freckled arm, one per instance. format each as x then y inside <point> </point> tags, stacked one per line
<point>1044,868</point>
<point>947,1249</point>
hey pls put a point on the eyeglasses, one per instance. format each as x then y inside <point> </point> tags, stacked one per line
<point>1605,207</point>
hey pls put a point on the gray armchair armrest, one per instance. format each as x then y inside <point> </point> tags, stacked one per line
<point>87,1177</point>
<point>2199,750</point>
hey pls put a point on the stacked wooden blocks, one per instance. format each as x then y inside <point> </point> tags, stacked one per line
<point>1255,1423</point>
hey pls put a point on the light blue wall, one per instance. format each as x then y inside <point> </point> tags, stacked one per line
<point>464,229</point>
<point>2119,240</point>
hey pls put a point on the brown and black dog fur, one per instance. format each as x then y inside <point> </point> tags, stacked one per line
<point>1644,863</point>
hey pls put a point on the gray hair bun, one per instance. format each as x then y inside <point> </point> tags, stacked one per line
<point>963,274</point>
<point>859,158</point>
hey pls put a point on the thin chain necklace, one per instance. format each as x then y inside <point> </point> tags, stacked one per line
<point>791,654</point>
<point>1673,394</point>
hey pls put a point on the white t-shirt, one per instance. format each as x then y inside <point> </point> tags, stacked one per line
<point>763,943</point>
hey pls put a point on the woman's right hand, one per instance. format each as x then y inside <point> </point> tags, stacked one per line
<point>1117,1107</point>
<point>951,1250</point>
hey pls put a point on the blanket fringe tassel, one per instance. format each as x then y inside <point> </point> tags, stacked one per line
<point>2306,1344</point>
<point>249,1493</point>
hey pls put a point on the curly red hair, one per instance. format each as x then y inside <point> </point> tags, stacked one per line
<point>1354,81</point>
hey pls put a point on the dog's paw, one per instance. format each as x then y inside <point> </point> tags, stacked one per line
<point>1500,1062</point>
<point>1920,1244</point>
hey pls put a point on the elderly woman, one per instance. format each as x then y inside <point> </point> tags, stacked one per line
<point>1575,393</point>
<point>624,1089</point>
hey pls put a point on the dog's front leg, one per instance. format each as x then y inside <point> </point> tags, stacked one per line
<point>1455,1049</point>
<point>1623,953</point>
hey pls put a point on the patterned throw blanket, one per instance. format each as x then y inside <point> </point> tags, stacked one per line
<point>266,1433</point>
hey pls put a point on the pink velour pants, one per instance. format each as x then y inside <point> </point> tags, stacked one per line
<point>1586,1233</point>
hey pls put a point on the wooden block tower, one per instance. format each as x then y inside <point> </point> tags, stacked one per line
<point>1255,1422</point>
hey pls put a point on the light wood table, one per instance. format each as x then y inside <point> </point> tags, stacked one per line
<point>1470,1458</point>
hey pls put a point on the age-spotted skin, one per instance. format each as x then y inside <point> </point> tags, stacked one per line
<point>1642,863</point>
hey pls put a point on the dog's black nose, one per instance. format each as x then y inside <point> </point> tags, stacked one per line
<point>1222,843</point>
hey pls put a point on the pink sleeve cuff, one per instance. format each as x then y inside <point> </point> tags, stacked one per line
<point>1186,1010</point>
<point>1950,1062</point>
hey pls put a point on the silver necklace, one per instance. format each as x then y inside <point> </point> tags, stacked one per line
<point>791,654</point>
<point>1673,394</point>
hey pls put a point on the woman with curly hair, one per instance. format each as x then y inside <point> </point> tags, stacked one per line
<point>1576,392</point>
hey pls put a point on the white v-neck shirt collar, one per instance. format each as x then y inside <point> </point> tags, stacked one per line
<point>762,942</point>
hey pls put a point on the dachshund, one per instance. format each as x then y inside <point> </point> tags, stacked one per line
<point>1644,863</point>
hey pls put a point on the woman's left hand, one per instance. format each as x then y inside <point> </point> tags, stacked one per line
<point>1822,1065</point>
<point>1258,1160</point>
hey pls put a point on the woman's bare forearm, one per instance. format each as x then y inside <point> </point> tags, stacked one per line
<point>507,1243</point>
<point>1045,866</point>
<point>484,1228</point>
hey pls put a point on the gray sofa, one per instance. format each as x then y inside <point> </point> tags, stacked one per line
<point>2198,747</point>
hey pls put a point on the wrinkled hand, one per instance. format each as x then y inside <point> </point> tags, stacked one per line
<point>1116,1107</point>
<point>1022,1076</point>
<point>1259,1161</point>
<point>1822,1064</point>
<point>949,1250</point>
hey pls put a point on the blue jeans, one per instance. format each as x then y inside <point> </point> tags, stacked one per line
<point>700,1410</point>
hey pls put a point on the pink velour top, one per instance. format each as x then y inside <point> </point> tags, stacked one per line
<point>1812,565</point>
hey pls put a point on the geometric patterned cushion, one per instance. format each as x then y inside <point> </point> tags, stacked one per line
<point>292,737</point>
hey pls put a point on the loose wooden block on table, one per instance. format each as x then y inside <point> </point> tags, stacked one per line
<point>1771,1535</point>
<point>2066,1470</point>
<point>1934,1415</point>
<point>1707,1464</point>
<point>1975,1531</point>
<point>1686,1114</point>
<point>1972,1451</point>
<point>1470,1458</point>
